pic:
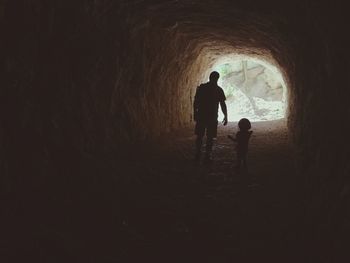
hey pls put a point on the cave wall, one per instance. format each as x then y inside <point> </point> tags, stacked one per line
<point>83,77</point>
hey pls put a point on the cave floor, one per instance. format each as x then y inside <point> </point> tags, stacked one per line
<point>156,204</point>
<point>214,212</point>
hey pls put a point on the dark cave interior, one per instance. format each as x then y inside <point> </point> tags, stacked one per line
<point>87,82</point>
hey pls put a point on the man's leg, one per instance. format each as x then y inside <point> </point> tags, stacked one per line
<point>211,134</point>
<point>208,148</point>
<point>199,131</point>
<point>199,142</point>
<point>239,160</point>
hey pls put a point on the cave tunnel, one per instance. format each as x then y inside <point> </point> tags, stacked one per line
<point>97,140</point>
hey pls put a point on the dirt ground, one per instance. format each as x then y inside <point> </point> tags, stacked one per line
<point>214,212</point>
<point>156,205</point>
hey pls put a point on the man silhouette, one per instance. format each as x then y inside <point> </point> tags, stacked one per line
<point>206,105</point>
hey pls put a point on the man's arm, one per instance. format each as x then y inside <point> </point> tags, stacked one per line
<point>223,106</point>
<point>224,111</point>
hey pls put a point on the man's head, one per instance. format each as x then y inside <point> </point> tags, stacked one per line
<point>214,76</point>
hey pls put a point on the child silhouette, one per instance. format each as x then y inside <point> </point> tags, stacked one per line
<point>242,139</point>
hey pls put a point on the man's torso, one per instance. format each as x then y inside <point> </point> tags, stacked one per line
<point>209,95</point>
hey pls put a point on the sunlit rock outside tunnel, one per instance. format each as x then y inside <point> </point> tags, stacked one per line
<point>253,90</point>
<point>97,131</point>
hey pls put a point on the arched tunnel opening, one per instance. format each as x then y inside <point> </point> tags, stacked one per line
<point>254,89</point>
<point>97,142</point>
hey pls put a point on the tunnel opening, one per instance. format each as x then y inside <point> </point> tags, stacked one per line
<point>255,84</point>
<point>255,89</point>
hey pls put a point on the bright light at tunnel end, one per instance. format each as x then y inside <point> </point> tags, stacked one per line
<point>254,88</point>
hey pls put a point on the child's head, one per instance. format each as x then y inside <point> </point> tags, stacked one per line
<point>244,124</point>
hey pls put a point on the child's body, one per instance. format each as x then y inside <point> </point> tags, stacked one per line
<point>242,139</point>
